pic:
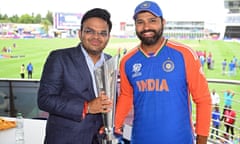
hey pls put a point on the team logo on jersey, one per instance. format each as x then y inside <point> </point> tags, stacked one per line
<point>168,66</point>
<point>136,69</point>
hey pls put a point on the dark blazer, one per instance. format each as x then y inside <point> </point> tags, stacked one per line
<point>65,85</point>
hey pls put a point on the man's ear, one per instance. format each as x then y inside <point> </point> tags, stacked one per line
<point>163,21</point>
<point>80,34</point>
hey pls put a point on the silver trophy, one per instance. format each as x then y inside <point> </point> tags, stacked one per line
<point>106,80</point>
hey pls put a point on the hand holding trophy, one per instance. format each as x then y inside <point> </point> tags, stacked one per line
<point>106,81</point>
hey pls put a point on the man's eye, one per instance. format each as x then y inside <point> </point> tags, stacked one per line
<point>88,31</point>
<point>93,32</point>
<point>139,22</point>
<point>103,34</point>
<point>153,20</point>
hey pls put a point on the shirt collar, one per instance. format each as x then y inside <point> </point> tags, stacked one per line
<point>88,58</point>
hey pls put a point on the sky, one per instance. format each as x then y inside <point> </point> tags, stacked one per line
<point>121,10</point>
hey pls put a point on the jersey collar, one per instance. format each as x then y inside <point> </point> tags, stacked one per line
<point>162,44</point>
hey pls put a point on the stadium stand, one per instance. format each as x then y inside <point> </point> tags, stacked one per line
<point>232,19</point>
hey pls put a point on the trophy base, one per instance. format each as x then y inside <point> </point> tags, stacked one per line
<point>110,139</point>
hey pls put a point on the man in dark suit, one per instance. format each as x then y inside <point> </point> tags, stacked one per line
<point>67,86</point>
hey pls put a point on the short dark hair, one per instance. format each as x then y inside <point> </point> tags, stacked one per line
<point>99,13</point>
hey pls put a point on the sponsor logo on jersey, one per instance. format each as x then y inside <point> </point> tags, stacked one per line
<point>137,69</point>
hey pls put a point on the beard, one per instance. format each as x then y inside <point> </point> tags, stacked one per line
<point>150,40</point>
<point>93,52</point>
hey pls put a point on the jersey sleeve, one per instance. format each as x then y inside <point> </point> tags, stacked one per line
<point>125,99</point>
<point>198,87</point>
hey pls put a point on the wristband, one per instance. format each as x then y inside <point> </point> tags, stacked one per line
<point>88,108</point>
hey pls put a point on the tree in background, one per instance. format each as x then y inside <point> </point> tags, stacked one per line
<point>49,17</point>
<point>27,18</point>
<point>46,23</point>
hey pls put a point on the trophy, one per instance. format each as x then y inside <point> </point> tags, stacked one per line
<point>106,80</point>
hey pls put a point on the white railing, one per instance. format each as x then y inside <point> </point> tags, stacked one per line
<point>27,89</point>
<point>230,139</point>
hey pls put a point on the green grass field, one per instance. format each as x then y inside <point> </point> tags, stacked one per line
<point>36,51</point>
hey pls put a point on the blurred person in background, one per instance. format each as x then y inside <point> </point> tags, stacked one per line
<point>215,121</point>
<point>229,120</point>
<point>30,70</point>
<point>228,98</point>
<point>224,65</point>
<point>215,98</point>
<point>22,71</point>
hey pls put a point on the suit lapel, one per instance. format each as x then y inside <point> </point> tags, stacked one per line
<point>82,67</point>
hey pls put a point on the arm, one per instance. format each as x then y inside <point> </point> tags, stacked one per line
<point>201,139</point>
<point>199,90</point>
<point>57,93</point>
<point>125,100</point>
